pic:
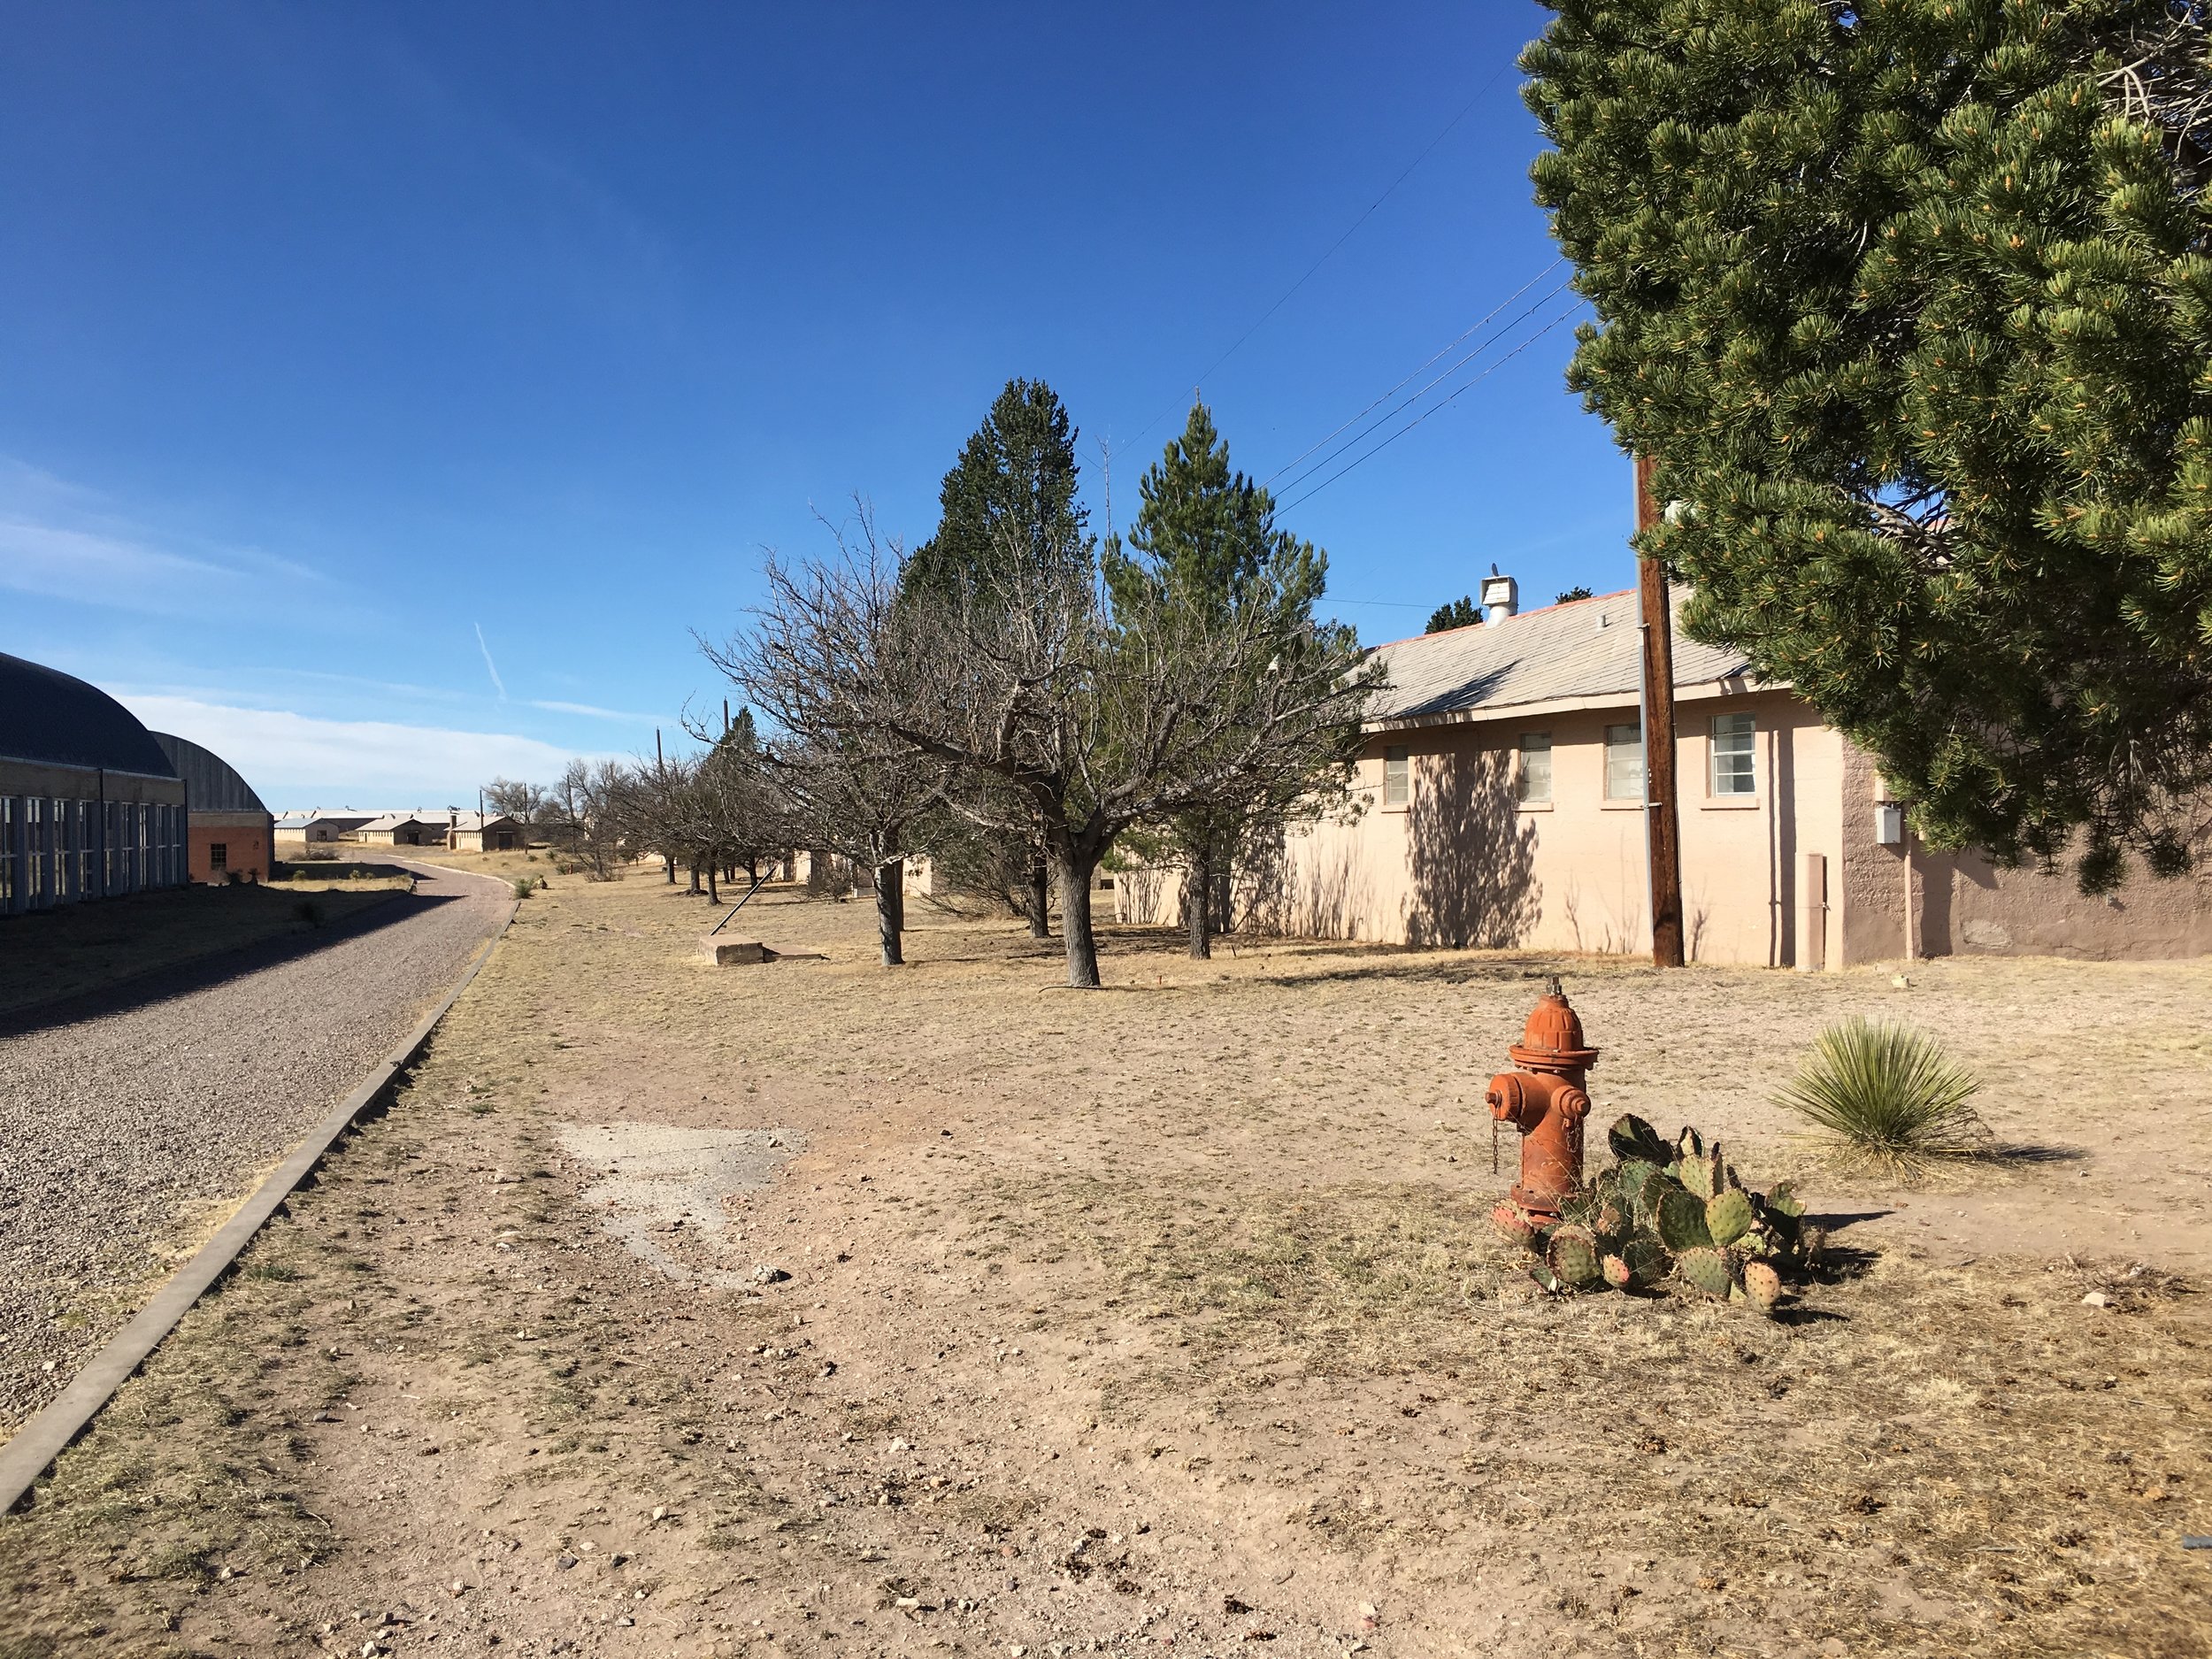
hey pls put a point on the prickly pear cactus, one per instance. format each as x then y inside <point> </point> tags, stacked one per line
<point>1681,1223</point>
<point>1762,1285</point>
<point>1573,1255</point>
<point>1672,1208</point>
<point>1728,1216</point>
<point>1711,1270</point>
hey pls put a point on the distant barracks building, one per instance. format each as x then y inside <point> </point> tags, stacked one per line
<point>92,804</point>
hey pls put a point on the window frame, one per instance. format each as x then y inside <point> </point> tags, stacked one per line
<point>1748,753</point>
<point>1534,743</point>
<point>1400,754</point>
<point>1635,746</point>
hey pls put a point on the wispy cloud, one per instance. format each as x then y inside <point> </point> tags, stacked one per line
<point>491,667</point>
<point>59,563</point>
<point>595,713</point>
<point>296,760</point>
<point>61,541</point>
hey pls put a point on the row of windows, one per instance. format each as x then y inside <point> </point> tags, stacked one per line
<point>1732,763</point>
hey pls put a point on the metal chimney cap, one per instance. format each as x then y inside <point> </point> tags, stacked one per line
<point>1500,597</point>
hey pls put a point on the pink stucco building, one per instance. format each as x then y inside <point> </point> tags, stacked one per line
<point>1501,802</point>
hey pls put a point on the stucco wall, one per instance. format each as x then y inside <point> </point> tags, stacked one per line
<point>1963,905</point>
<point>1463,863</point>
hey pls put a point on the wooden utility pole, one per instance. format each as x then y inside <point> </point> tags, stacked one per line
<point>1662,823</point>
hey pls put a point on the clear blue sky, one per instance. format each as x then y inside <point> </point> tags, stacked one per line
<point>333,334</point>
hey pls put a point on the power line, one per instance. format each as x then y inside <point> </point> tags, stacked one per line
<point>1432,357</point>
<point>1448,127</point>
<point>1407,402</point>
<point>1426,413</point>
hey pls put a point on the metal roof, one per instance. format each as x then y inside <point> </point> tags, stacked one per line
<point>54,720</point>
<point>211,783</point>
<point>1583,649</point>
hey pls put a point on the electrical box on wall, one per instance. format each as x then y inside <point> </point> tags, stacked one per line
<point>1889,824</point>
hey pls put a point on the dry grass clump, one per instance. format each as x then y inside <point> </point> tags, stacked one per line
<point>1886,1098</point>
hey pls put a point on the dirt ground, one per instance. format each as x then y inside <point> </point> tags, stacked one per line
<point>820,1308</point>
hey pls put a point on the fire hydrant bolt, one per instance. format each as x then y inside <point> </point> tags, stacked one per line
<point>1544,1099</point>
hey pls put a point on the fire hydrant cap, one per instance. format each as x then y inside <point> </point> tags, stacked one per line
<point>1554,1034</point>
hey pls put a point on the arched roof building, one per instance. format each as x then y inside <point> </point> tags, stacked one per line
<point>232,836</point>
<point>50,718</point>
<point>89,803</point>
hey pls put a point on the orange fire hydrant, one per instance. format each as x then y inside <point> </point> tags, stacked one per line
<point>1545,1101</point>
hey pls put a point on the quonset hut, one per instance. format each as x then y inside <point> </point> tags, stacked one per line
<point>90,805</point>
<point>232,836</point>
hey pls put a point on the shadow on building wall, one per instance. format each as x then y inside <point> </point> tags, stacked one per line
<point>1318,888</point>
<point>1473,856</point>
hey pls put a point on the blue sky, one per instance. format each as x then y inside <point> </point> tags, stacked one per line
<point>388,391</point>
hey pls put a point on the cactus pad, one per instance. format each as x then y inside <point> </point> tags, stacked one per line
<point>1633,1139</point>
<point>1762,1284</point>
<point>1728,1216</point>
<point>1645,1259</point>
<point>1573,1256</point>
<point>1709,1270</point>
<point>1681,1222</point>
<point>1617,1272</point>
<point>1612,1223</point>
<point>1517,1225</point>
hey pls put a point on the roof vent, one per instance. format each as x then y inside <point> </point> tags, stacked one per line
<point>1500,597</point>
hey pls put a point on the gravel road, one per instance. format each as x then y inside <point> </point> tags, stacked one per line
<point>128,1121</point>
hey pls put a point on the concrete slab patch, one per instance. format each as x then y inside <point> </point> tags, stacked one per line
<point>654,1180</point>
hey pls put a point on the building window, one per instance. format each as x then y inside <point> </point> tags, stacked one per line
<point>1624,761</point>
<point>218,856</point>
<point>1535,775</point>
<point>1734,771</point>
<point>1397,775</point>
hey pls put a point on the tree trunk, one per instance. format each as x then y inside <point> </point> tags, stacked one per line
<point>1198,903</point>
<point>891,910</point>
<point>694,879</point>
<point>1040,899</point>
<point>670,860</point>
<point>714,893</point>
<point>1076,875</point>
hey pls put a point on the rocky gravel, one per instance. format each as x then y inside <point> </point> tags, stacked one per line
<point>131,1123</point>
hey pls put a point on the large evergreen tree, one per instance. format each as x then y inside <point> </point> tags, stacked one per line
<point>1205,551</point>
<point>1911,302</point>
<point>1008,513</point>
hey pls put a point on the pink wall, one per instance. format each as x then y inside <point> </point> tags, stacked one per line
<point>1463,863</point>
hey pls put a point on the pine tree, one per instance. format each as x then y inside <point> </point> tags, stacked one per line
<point>1011,494</point>
<point>1463,612</point>
<point>1205,551</point>
<point>1911,303</point>
<point>1009,498</point>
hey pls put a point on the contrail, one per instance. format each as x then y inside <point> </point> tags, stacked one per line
<point>492,667</point>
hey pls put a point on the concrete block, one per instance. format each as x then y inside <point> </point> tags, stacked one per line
<point>740,952</point>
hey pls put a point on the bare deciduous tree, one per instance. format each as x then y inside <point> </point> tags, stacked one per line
<point>830,640</point>
<point>1089,719</point>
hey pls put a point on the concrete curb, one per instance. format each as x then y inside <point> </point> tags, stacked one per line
<point>26,1457</point>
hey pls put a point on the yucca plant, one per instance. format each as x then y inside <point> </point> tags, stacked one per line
<point>1886,1096</point>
